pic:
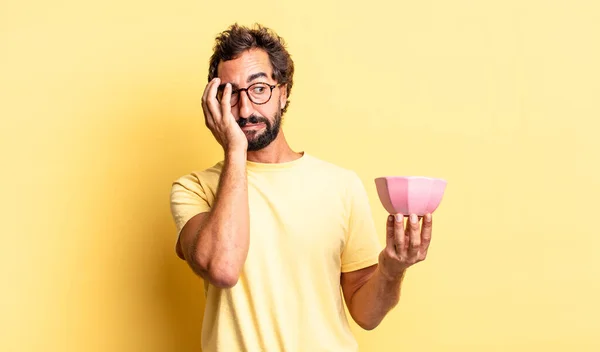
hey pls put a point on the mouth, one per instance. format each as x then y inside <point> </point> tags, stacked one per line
<point>253,126</point>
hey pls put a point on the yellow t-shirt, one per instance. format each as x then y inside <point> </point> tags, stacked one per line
<point>309,221</point>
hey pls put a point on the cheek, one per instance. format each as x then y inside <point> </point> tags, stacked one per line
<point>235,111</point>
<point>267,111</point>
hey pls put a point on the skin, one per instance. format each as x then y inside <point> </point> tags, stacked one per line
<point>215,244</point>
<point>373,291</point>
<point>237,72</point>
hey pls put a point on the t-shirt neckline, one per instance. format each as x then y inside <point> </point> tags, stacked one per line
<point>257,166</point>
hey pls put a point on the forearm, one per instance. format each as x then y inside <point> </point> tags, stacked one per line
<point>373,300</point>
<point>222,241</point>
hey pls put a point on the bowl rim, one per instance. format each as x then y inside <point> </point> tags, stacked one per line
<point>411,177</point>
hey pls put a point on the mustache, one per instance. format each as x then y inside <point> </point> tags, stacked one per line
<point>253,119</point>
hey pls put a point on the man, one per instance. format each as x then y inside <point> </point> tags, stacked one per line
<point>279,236</point>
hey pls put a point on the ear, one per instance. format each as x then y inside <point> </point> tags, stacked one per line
<point>283,95</point>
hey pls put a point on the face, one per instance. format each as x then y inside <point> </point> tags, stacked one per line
<point>260,122</point>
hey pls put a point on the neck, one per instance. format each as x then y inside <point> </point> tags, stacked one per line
<point>278,151</point>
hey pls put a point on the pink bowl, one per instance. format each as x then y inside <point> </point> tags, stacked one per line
<point>410,194</point>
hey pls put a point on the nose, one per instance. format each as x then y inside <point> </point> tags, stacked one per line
<point>245,105</point>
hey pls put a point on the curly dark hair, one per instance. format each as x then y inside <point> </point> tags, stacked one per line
<point>237,39</point>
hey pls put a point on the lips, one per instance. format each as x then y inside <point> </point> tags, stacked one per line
<point>251,121</point>
<point>253,126</point>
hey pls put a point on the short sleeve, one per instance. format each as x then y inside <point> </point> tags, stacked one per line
<point>188,198</point>
<point>362,245</point>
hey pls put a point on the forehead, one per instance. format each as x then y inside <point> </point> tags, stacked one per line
<point>246,64</point>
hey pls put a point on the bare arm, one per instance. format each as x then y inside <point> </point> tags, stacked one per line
<point>372,292</point>
<point>215,244</point>
<point>370,295</point>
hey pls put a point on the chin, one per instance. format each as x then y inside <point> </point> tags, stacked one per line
<point>253,147</point>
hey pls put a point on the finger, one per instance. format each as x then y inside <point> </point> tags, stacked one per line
<point>390,241</point>
<point>226,101</point>
<point>399,237</point>
<point>208,118</point>
<point>426,233</point>
<point>414,235</point>
<point>207,88</point>
<point>211,100</point>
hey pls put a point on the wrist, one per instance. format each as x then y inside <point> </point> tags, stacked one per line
<point>390,272</point>
<point>236,155</point>
<point>390,279</point>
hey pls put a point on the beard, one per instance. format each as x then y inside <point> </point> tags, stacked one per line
<point>258,140</point>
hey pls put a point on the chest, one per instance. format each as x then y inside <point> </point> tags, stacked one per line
<point>299,220</point>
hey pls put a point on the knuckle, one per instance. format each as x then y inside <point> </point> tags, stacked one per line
<point>390,232</point>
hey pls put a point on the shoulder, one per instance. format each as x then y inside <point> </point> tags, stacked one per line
<point>199,179</point>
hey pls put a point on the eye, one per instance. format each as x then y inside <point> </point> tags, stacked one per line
<point>259,88</point>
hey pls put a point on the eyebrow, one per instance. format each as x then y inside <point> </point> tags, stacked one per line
<point>254,76</point>
<point>251,78</point>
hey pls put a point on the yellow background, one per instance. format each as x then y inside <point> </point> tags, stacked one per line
<point>100,111</point>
